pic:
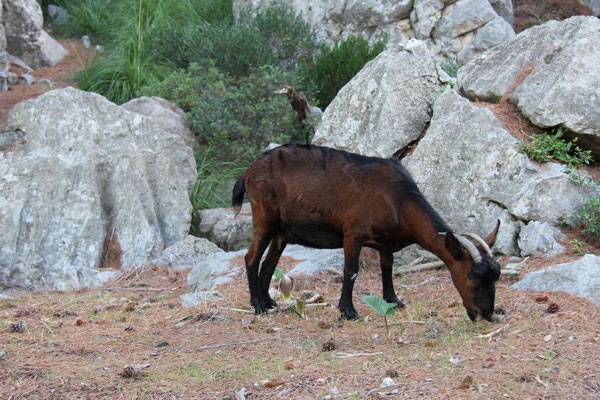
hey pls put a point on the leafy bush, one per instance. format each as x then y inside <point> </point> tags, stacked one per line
<point>589,216</point>
<point>235,117</point>
<point>213,184</point>
<point>336,65</point>
<point>275,35</point>
<point>451,67</point>
<point>545,147</point>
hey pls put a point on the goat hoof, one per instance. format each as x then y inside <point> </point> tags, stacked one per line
<point>399,303</point>
<point>271,303</point>
<point>348,312</point>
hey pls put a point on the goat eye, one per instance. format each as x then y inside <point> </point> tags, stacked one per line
<point>474,283</point>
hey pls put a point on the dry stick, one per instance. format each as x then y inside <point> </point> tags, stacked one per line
<point>438,264</point>
<point>494,333</point>
<point>348,355</point>
<point>385,388</point>
<point>216,346</point>
<point>273,310</point>
<point>137,289</point>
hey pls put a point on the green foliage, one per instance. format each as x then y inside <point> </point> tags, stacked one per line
<point>451,67</point>
<point>275,35</point>
<point>213,185</point>
<point>545,147</point>
<point>589,216</point>
<point>336,65</point>
<point>236,117</point>
<point>278,274</point>
<point>381,307</point>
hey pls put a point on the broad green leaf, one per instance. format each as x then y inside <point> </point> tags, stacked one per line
<point>278,274</point>
<point>380,306</point>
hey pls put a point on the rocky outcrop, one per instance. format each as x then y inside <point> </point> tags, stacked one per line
<point>226,228</point>
<point>186,253</point>
<point>472,172</point>
<point>385,107</point>
<point>81,177</point>
<point>449,26</point>
<point>580,277</point>
<point>25,38</point>
<point>165,113</point>
<point>553,71</point>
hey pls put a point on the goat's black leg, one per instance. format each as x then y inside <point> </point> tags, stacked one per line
<point>255,252</point>
<point>351,253</point>
<point>266,271</point>
<point>387,260</point>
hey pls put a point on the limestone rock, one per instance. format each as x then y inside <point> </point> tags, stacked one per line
<point>593,5</point>
<point>580,277</point>
<point>563,85</point>
<point>471,171</point>
<point>25,37</point>
<point>80,167</point>
<point>185,253</point>
<point>167,114</point>
<point>225,228</point>
<point>503,8</point>
<point>385,106</point>
<point>540,239</point>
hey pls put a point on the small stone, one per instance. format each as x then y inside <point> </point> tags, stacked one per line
<point>97,309</point>
<point>46,82</point>
<point>375,336</point>
<point>455,359</point>
<point>3,354</point>
<point>18,327</point>
<point>26,79</point>
<point>85,40</point>
<point>547,338</point>
<point>387,381</point>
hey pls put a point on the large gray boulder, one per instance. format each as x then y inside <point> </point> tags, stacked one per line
<point>563,87</point>
<point>448,26</point>
<point>226,228</point>
<point>472,172</point>
<point>385,107</point>
<point>592,5</point>
<point>186,253</point>
<point>580,277</point>
<point>79,166</point>
<point>167,114</point>
<point>25,38</point>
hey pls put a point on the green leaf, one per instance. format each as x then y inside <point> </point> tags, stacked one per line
<point>380,306</point>
<point>278,274</point>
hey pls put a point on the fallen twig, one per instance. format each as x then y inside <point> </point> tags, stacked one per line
<point>540,381</point>
<point>137,289</point>
<point>494,333</point>
<point>216,346</point>
<point>348,355</point>
<point>405,269</point>
<point>379,389</point>
<point>407,322</point>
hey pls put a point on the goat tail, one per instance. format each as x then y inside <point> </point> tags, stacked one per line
<point>237,197</point>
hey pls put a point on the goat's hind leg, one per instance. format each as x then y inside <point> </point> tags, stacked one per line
<point>387,260</point>
<point>255,252</point>
<point>351,253</point>
<point>267,268</point>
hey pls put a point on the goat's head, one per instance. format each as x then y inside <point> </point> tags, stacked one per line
<point>474,271</point>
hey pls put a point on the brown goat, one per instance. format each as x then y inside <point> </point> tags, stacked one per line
<point>325,198</point>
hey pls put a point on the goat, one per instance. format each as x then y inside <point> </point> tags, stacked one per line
<point>325,198</point>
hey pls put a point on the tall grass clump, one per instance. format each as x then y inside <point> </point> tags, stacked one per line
<point>336,65</point>
<point>236,117</point>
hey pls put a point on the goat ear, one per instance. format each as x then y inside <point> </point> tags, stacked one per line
<point>453,246</point>
<point>491,238</point>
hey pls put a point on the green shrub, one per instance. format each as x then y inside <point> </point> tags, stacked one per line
<point>545,147</point>
<point>589,216</point>
<point>213,184</point>
<point>235,117</point>
<point>275,35</point>
<point>451,66</point>
<point>336,65</point>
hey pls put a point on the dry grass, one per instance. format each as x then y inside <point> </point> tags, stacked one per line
<point>77,344</point>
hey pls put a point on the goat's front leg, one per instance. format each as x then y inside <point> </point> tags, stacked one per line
<point>351,253</point>
<point>386,259</point>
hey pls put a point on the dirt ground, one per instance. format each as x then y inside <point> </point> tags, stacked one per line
<point>132,339</point>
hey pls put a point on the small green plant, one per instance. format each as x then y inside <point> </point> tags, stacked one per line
<point>578,247</point>
<point>589,216</point>
<point>336,65</point>
<point>381,307</point>
<point>278,274</point>
<point>545,147</point>
<point>451,67</point>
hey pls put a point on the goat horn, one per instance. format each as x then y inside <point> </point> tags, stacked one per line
<point>470,247</point>
<point>481,242</point>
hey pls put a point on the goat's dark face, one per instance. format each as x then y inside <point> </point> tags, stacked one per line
<point>474,273</point>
